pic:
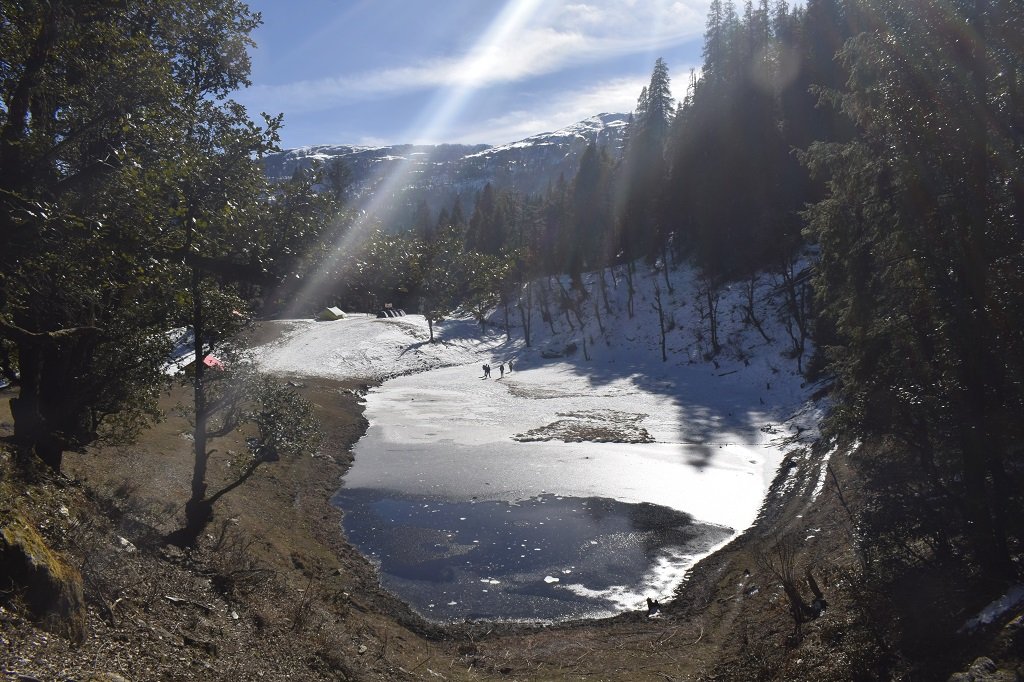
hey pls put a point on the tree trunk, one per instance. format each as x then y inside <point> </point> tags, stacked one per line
<point>750,288</point>
<point>508,326</point>
<point>545,307</point>
<point>629,289</point>
<point>604,292</point>
<point>570,304</point>
<point>660,309</point>
<point>711,298</point>
<point>197,510</point>
<point>664,263</point>
<point>29,425</point>
<point>525,312</point>
<point>796,305</point>
<point>48,413</point>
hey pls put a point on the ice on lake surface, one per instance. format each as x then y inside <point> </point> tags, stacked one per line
<point>543,558</point>
<point>547,468</point>
<point>466,518</point>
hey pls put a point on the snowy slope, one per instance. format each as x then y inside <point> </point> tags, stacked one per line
<point>365,347</point>
<point>700,436</point>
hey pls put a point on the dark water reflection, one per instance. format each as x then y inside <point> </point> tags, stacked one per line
<point>543,558</point>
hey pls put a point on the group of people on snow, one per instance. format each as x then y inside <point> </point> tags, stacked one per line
<point>501,369</point>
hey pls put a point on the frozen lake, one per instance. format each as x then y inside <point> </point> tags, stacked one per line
<point>542,558</point>
<point>472,504</point>
<point>568,488</point>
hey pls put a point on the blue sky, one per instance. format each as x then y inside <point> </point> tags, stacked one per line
<point>375,72</point>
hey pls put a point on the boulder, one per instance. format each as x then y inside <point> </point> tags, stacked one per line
<point>49,586</point>
<point>984,670</point>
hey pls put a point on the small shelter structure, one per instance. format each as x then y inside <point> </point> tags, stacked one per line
<point>332,313</point>
<point>213,362</point>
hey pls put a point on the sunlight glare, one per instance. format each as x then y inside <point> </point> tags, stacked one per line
<point>445,107</point>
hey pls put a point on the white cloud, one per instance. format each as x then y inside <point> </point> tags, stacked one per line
<point>528,39</point>
<point>615,96</point>
<point>372,141</point>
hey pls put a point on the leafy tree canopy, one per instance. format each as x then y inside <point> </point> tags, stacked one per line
<point>123,167</point>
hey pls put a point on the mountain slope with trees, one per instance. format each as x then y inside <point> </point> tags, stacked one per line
<point>433,175</point>
<point>883,139</point>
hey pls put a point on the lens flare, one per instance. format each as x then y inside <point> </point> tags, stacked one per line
<point>444,108</point>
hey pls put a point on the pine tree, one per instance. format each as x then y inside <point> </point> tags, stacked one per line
<point>422,223</point>
<point>921,255</point>
<point>660,106</point>
<point>488,226</point>
<point>641,232</point>
<point>735,188</point>
<point>716,42</point>
<point>590,233</point>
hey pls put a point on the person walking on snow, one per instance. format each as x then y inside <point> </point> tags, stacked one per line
<point>487,371</point>
<point>501,368</point>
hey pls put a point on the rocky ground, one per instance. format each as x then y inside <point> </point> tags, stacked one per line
<point>274,591</point>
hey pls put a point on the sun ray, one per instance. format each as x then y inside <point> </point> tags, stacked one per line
<point>444,108</point>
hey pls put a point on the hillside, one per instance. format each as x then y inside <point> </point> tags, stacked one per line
<point>275,591</point>
<point>394,179</point>
<point>766,345</point>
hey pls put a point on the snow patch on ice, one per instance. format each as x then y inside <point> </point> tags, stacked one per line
<point>667,571</point>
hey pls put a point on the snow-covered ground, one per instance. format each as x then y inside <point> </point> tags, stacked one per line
<point>425,426</point>
<point>699,437</point>
<point>362,346</point>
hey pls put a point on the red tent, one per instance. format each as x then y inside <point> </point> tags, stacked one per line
<point>211,361</point>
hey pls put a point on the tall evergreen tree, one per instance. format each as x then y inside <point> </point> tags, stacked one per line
<point>644,168</point>
<point>735,188</point>
<point>590,233</point>
<point>422,223</point>
<point>105,107</point>
<point>556,217</point>
<point>921,254</point>
<point>488,226</point>
<point>437,267</point>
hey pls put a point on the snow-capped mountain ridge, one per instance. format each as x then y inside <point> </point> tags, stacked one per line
<point>607,129</point>
<point>397,177</point>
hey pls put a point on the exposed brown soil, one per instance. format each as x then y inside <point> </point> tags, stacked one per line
<point>275,592</point>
